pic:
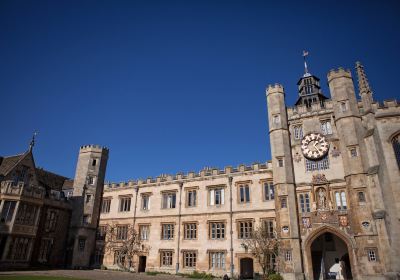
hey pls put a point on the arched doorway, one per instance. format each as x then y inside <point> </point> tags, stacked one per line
<point>246,268</point>
<point>330,258</point>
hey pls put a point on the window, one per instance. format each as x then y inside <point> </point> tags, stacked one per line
<point>269,227</point>
<point>18,249</point>
<point>280,162</point>
<point>26,214</point>
<point>269,191</point>
<point>288,256</point>
<point>191,198</point>
<point>88,198</point>
<point>86,219</point>
<point>125,204</point>
<point>166,258</point>
<point>343,106</point>
<point>51,221</point>
<point>217,260</point>
<point>298,132</point>
<point>326,127</point>
<point>341,203</point>
<point>81,244</point>
<point>94,161</point>
<point>44,250</point>
<point>396,148</point>
<point>191,231</point>
<point>101,232</point>
<point>245,229</point>
<point>90,180</point>
<point>217,230</point>
<point>217,196</point>
<point>283,202</point>
<point>98,256</point>
<point>372,256</point>
<point>312,165</point>
<point>122,232</point>
<point>361,197</point>
<point>244,193</point>
<point>189,259</point>
<point>304,200</point>
<point>353,152</point>
<point>144,231</point>
<point>105,206</point>
<point>167,231</point>
<point>271,262</point>
<point>145,202</point>
<point>276,119</point>
<point>169,200</point>
<point>8,211</point>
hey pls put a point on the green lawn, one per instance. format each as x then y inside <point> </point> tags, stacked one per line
<point>29,277</point>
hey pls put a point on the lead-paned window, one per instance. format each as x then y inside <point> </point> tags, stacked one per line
<point>340,198</point>
<point>122,232</point>
<point>166,258</point>
<point>217,260</point>
<point>217,230</point>
<point>244,193</point>
<point>190,231</point>
<point>189,259</point>
<point>191,198</point>
<point>269,191</point>
<point>268,226</point>
<point>105,205</point>
<point>144,231</point>
<point>125,204</point>
<point>326,127</point>
<point>168,231</point>
<point>312,165</point>
<point>372,256</point>
<point>8,211</point>
<point>217,196</point>
<point>304,200</point>
<point>169,200</point>
<point>44,250</point>
<point>298,132</point>
<point>245,229</point>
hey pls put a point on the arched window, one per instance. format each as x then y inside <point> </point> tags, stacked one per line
<point>396,148</point>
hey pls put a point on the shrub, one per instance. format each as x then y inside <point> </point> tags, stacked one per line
<point>200,275</point>
<point>152,273</point>
<point>275,277</point>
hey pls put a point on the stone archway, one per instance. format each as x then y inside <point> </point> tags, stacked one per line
<point>328,251</point>
<point>246,268</point>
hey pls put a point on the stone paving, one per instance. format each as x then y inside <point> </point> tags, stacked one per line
<point>94,274</point>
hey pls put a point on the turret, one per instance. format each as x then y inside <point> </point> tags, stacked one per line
<point>88,188</point>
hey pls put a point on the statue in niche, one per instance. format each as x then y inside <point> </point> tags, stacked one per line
<point>322,198</point>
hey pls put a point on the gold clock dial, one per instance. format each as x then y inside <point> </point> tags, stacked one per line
<point>314,146</point>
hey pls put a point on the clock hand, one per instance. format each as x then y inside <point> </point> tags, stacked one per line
<point>315,145</point>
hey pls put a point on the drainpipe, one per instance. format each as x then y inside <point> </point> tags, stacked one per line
<point>179,227</point>
<point>232,266</point>
<point>134,211</point>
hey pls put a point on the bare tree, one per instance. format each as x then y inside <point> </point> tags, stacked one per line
<point>124,242</point>
<point>264,246</point>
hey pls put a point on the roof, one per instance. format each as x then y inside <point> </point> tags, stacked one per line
<point>8,163</point>
<point>68,184</point>
<point>50,180</point>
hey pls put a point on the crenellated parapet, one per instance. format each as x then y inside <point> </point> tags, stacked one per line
<point>202,174</point>
<point>338,73</point>
<point>301,111</point>
<point>276,88</point>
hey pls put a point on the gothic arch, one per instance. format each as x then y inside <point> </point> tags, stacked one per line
<point>394,140</point>
<point>348,240</point>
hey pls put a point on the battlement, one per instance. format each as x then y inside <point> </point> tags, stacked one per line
<point>277,88</point>
<point>205,173</point>
<point>315,109</point>
<point>339,73</point>
<point>93,148</point>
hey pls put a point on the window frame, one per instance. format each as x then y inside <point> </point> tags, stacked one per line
<point>245,228</point>
<point>167,234</point>
<point>216,228</point>
<point>189,257</point>
<point>190,230</point>
<point>124,206</point>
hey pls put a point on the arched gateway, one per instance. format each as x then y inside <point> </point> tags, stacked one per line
<point>329,255</point>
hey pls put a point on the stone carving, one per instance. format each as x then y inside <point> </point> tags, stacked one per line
<point>297,157</point>
<point>335,152</point>
<point>343,221</point>
<point>321,198</point>
<point>319,179</point>
<point>306,222</point>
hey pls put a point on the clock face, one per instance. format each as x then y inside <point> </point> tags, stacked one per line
<point>314,146</point>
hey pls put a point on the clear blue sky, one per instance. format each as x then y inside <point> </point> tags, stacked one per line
<point>173,86</point>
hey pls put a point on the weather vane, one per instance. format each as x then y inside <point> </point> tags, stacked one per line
<point>305,53</point>
<point>32,144</point>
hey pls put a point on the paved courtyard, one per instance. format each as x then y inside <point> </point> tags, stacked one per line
<point>94,274</point>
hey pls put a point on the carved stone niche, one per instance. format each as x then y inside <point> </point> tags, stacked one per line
<point>322,198</point>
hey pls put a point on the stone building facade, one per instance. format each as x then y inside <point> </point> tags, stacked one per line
<point>331,193</point>
<point>48,220</point>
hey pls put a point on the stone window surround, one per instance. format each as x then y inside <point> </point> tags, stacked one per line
<point>240,184</point>
<point>372,257</point>
<point>187,190</point>
<point>106,198</point>
<point>168,192</point>
<point>306,207</point>
<point>213,187</point>
<point>123,197</point>
<point>248,220</point>
<point>162,230</point>
<point>161,252</point>
<point>262,183</point>
<point>142,195</point>
<point>185,223</point>
<point>140,225</point>
<point>222,262</point>
<point>186,257</point>
<point>209,222</point>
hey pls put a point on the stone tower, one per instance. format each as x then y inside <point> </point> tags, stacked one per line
<point>87,194</point>
<point>282,166</point>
